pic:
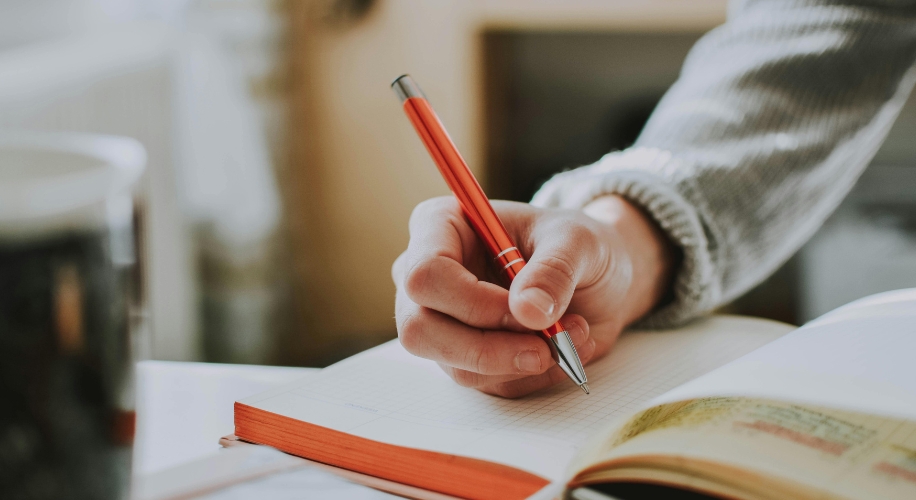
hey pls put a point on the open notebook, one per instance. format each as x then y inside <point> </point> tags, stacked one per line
<point>389,396</point>
<point>831,402</point>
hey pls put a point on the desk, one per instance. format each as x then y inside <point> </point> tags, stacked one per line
<point>182,411</point>
<point>184,408</point>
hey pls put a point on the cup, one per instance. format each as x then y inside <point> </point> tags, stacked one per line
<point>68,284</point>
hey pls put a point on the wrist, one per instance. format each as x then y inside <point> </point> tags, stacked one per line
<point>651,253</point>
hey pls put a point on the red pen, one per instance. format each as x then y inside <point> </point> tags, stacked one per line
<point>479,212</point>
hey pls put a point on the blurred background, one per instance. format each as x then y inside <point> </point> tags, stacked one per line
<point>282,172</point>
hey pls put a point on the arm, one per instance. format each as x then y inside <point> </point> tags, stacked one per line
<point>773,119</point>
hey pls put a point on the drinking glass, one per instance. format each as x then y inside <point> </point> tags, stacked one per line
<point>68,286</point>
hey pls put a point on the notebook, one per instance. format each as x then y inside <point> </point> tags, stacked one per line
<point>663,411</point>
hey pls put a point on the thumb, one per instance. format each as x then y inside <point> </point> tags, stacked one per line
<point>541,292</point>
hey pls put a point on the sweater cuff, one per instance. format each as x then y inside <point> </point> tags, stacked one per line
<point>648,178</point>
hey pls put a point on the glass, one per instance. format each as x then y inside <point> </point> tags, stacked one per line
<point>68,288</point>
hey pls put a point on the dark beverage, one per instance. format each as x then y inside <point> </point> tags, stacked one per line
<point>66,417</point>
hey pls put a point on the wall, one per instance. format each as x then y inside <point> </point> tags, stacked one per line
<point>356,167</point>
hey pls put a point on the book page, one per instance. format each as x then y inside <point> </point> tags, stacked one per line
<point>388,395</point>
<point>859,357</point>
<point>744,447</point>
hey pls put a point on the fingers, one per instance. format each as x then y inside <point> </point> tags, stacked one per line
<point>524,386</point>
<point>437,228</point>
<point>555,375</point>
<point>444,285</point>
<point>515,386</point>
<point>564,257</point>
<point>506,386</point>
<point>433,276</point>
<point>446,313</point>
<point>430,334</point>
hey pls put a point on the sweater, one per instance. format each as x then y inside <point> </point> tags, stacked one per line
<point>775,115</point>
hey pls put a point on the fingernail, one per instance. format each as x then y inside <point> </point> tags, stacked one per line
<point>577,334</point>
<point>510,323</point>
<point>539,299</point>
<point>528,362</point>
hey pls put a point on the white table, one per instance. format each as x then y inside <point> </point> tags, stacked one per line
<point>184,408</point>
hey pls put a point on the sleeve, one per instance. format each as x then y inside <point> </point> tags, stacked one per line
<point>775,115</point>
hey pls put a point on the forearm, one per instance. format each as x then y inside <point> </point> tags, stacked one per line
<point>774,117</point>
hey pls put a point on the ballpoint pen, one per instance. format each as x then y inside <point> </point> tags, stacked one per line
<point>479,212</point>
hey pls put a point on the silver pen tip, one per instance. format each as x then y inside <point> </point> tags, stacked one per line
<point>584,388</point>
<point>564,353</point>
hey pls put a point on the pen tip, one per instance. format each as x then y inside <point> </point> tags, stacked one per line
<point>584,388</point>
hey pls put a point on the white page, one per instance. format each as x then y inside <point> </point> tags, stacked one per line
<point>388,395</point>
<point>860,357</point>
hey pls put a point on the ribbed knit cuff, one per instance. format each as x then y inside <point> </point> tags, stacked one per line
<point>647,178</point>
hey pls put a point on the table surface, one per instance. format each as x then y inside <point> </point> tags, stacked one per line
<point>184,408</point>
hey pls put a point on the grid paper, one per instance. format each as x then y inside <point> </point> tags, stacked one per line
<point>388,395</point>
<point>643,366</point>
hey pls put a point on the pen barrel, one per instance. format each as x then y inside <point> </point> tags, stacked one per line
<point>474,203</point>
<point>458,176</point>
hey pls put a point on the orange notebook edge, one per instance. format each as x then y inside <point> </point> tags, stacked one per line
<point>401,490</point>
<point>448,474</point>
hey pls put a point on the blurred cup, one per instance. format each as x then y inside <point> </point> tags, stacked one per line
<point>67,288</point>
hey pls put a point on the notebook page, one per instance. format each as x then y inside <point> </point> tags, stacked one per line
<point>858,357</point>
<point>388,395</point>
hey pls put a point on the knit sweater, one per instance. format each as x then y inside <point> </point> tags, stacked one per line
<point>775,115</point>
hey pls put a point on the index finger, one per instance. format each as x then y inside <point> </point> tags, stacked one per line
<point>433,274</point>
<point>438,228</point>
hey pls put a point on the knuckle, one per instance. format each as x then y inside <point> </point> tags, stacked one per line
<point>417,277</point>
<point>558,269</point>
<point>410,331</point>
<point>475,314</point>
<point>483,359</point>
<point>397,269</point>
<point>422,208</point>
<point>465,378</point>
<point>578,232</point>
<point>431,206</point>
<point>506,390</point>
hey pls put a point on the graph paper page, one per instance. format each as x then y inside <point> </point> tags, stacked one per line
<point>388,395</point>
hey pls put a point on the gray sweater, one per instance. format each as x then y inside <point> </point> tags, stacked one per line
<point>775,115</point>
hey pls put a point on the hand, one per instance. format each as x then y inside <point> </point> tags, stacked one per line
<point>599,269</point>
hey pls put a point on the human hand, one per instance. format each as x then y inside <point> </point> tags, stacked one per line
<point>599,269</point>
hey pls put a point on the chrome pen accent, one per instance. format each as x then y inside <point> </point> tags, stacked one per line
<point>405,88</point>
<point>512,263</point>
<point>504,252</point>
<point>564,353</point>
